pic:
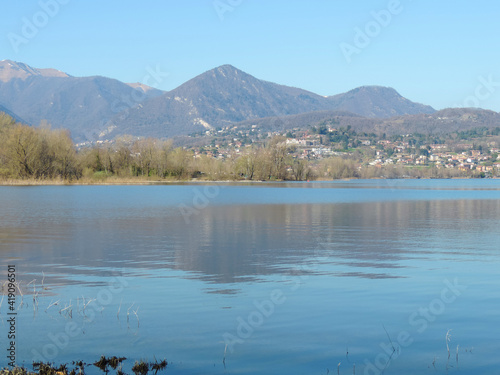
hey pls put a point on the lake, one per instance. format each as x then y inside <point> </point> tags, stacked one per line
<point>363,277</point>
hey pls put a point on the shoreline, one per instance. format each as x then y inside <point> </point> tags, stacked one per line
<point>133,182</point>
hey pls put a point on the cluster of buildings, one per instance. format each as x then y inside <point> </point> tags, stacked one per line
<point>376,152</point>
<point>438,155</point>
<point>230,142</point>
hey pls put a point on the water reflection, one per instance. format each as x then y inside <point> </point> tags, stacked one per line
<point>241,243</point>
<point>349,257</point>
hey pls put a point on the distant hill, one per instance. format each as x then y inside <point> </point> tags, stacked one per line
<point>216,98</point>
<point>444,121</point>
<point>225,95</point>
<point>82,105</point>
<point>377,102</point>
<point>304,121</point>
<point>11,70</point>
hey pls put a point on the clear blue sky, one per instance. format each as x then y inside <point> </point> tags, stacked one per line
<point>433,52</point>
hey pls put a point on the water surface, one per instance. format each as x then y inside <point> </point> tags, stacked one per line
<point>289,278</point>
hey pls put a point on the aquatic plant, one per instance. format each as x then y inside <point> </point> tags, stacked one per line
<point>35,295</point>
<point>68,310</point>
<point>135,313</point>
<point>140,368</point>
<point>113,362</point>
<point>448,339</point>
<point>102,364</point>
<point>48,369</point>
<point>119,308</point>
<point>80,365</point>
<point>16,371</point>
<point>158,366</point>
<point>86,304</point>
<point>224,359</point>
<point>52,304</point>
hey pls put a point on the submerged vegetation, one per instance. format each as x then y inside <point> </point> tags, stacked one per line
<point>144,367</point>
<point>112,362</point>
<point>78,367</point>
<point>40,155</point>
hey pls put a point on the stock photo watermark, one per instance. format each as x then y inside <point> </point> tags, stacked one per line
<point>246,327</point>
<point>363,36</point>
<point>12,314</point>
<point>221,7</point>
<point>153,78</point>
<point>59,341</point>
<point>263,310</point>
<point>201,200</point>
<point>419,320</point>
<point>31,26</point>
<point>485,89</point>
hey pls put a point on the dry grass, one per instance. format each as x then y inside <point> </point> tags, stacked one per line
<point>116,180</point>
<point>87,181</point>
<point>16,371</point>
<point>31,182</point>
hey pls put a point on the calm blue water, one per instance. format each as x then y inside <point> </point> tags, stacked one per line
<point>265,278</point>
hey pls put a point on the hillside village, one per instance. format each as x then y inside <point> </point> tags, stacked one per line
<point>470,151</point>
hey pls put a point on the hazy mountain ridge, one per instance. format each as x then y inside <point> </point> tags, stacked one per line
<point>216,98</point>
<point>148,90</point>
<point>82,105</point>
<point>226,95</point>
<point>444,121</point>
<point>101,108</point>
<point>377,102</point>
<point>11,70</point>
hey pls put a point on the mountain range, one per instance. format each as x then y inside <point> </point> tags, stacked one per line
<point>81,105</point>
<point>97,107</point>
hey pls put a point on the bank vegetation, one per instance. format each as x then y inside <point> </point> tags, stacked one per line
<point>44,155</point>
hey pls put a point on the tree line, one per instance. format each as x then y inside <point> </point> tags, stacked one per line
<point>43,153</point>
<point>40,153</point>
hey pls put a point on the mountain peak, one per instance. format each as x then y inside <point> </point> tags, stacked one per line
<point>227,68</point>
<point>373,89</point>
<point>219,78</point>
<point>223,72</point>
<point>378,102</point>
<point>226,71</point>
<point>11,70</point>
